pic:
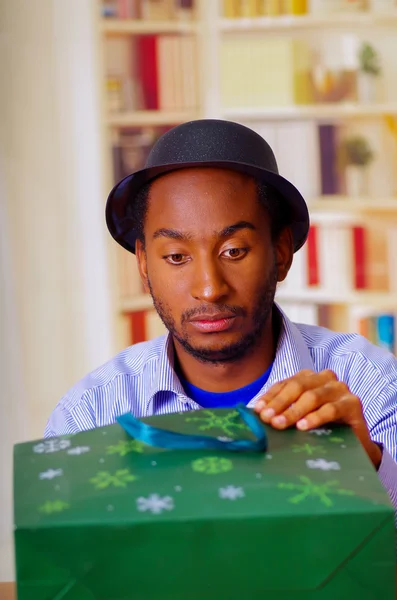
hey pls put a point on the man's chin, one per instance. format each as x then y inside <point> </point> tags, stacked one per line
<point>216,353</point>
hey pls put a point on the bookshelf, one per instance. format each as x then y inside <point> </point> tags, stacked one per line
<point>142,118</point>
<point>275,121</point>
<point>289,23</point>
<point>315,112</point>
<point>133,27</point>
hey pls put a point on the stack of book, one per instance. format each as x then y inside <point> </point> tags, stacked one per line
<point>148,10</point>
<point>233,9</point>
<point>152,72</point>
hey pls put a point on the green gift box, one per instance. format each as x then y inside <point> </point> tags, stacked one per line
<point>103,516</point>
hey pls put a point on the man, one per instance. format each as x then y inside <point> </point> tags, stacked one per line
<point>214,228</point>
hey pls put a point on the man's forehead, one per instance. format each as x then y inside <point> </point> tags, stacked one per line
<point>201,176</point>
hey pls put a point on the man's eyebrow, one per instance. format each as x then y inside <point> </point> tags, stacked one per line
<point>236,227</point>
<point>174,234</point>
<point>185,236</point>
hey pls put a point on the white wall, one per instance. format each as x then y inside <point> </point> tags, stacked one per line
<point>56,320</point>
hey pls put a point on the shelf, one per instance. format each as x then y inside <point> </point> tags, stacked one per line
<point>135,303</point>
<point>345,204</point>
<point>150,117</point>
<point>311,111</point>
<point>291,22</point>
<point>376,300</point>
<point>133,26</point>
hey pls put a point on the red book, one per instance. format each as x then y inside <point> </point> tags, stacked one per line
<point>312,257</point>
<point>148,71</point>
<point>138,326</point>
<point>359,262</point>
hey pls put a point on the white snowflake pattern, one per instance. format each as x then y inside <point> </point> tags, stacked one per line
<point>155,504</point>
<point>224,439</point>
<point>79,450</point>
<point>51,473</point>
<point>320,431</point>
<point>324,465</point>
<point>52,445</point>
<point>231,492</point>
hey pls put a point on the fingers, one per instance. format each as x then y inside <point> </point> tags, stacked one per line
<point>346,410</point>
<point>283,395</point>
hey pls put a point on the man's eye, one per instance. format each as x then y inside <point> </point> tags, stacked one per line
<point>176,259</point>
<point>235,253</point>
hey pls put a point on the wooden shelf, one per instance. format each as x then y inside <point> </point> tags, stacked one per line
<point>303,22</point>
<point>150,117</point>
<point>376,300</point>
<point>345,204</point>
<point>133,26</point>
<point>311,111</point>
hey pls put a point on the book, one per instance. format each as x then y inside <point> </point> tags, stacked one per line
<point>189,69</point>
<point>296,165</point>
<point>144,325</point>
<point>231,9</point>
<point>328,156</point>
<point>312,257</point>
<point>297,278</point>
<point>392,258</point>
<point>335,256</point>
<point>184,10</point>
<point>294,7</point>
<point>385,328</point>
<point>157,10</point>
<point>148,70</point>
<point>283,65</point>
<point>359,258</point>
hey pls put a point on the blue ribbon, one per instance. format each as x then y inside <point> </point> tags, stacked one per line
<point>160,438</point>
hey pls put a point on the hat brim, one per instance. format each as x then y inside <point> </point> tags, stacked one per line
<point>121,226</point>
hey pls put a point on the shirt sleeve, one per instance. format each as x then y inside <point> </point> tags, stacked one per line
<point>387,474</point>
<point>381,417</point>
<point>63,422</point>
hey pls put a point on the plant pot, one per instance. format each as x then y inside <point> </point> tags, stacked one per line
<point>356,179</point>
<point>367,87</point>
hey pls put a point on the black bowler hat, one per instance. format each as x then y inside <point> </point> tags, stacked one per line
<point>206,143</point>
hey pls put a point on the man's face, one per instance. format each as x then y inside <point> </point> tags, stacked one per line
<point>209,262</point>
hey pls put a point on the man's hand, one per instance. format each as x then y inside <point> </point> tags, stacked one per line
<point>310,400</point>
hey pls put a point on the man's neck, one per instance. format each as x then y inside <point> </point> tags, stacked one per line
<point>230,375</point>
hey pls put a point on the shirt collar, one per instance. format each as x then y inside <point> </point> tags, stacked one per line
<point>292,356</point>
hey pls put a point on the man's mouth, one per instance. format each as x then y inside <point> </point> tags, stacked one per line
<point>213,323</point>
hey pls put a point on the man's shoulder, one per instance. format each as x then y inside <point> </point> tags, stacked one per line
<point>130,363</point>
<point>350,350</point>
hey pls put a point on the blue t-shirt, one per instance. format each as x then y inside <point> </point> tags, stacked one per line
<point>225,399</point>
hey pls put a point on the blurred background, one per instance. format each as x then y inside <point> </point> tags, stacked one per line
<point>87,88</point>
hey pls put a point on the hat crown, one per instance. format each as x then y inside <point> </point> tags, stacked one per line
<point>212,140</point>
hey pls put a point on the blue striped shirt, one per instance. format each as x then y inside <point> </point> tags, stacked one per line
<point>141,380</point>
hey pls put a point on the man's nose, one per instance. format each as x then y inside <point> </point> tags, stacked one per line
<point>209,283</point>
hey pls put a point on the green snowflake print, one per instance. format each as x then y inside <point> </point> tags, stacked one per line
<point>308,449</point>
<point>212,465</point>
<point>308,489</point>
<point>54,506</point>
<point>104,479</point>
<point>225,423</point>
<point>336,440</point>
<point>123,447</point>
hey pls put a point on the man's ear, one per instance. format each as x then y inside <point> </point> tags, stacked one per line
<point>284,251</point>
<point>141,258</point>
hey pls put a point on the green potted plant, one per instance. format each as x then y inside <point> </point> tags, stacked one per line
<point>356,155</point>
<point>369,73</point>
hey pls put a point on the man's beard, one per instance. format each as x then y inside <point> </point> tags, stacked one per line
<point>233,351</point>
